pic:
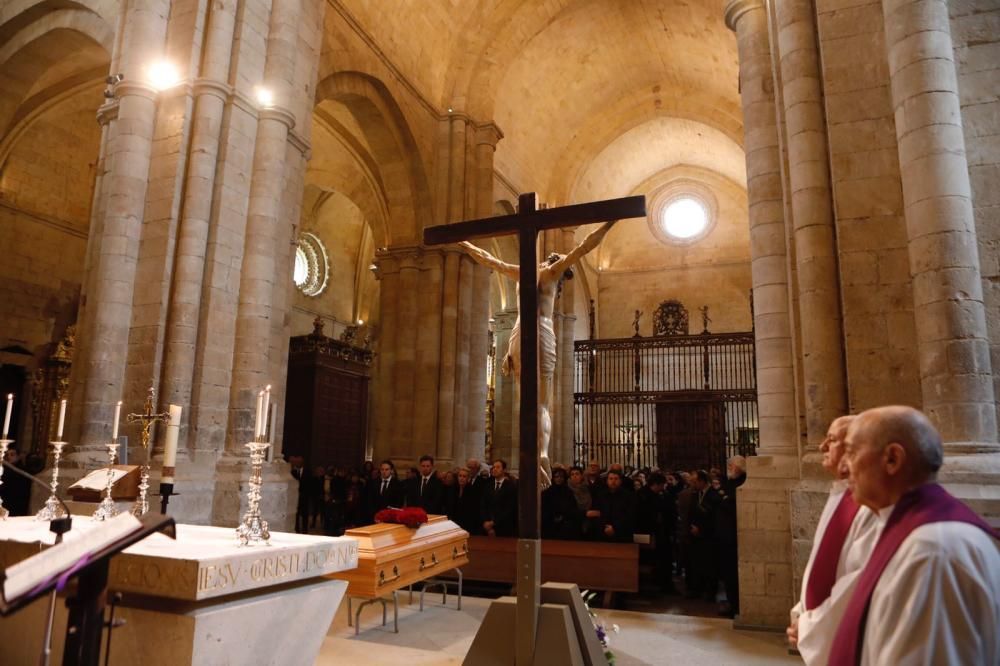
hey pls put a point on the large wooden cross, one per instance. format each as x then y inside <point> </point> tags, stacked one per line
<point>526,223</point>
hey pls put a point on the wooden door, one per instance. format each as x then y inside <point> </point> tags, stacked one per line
<point>691,434</point>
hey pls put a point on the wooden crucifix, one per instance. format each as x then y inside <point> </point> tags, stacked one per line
<point>526,224</point>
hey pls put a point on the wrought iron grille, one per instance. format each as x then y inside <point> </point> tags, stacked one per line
<point>678,401</point>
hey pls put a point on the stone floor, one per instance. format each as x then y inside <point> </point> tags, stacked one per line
<point>442,636</point>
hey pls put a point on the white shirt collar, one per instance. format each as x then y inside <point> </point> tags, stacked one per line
<point>884,513</point>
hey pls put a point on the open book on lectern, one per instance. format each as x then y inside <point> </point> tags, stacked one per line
<point>28,579</point>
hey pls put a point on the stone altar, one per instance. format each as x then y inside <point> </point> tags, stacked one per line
<point>199,599</point>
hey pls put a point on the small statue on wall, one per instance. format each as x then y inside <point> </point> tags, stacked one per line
<point>635,323</point>
<point>705,321</point>
<point>670,318</point>
<point>350,332</point>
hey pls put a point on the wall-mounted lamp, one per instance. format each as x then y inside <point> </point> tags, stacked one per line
<point>265,96</point>
<point>162,75</point>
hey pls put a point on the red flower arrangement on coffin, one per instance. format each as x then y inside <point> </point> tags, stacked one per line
<point>412,516</point>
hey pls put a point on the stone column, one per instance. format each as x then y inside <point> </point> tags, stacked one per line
<point>824,387</point>
<point>211,93</point>
<point>475,437</point>
<point>388,276</point>
<point>769,256</point>
<point>428,353</point>
<point>449,330</point>
<point>765,533</point>
<point>463,346</point>
<point>264,214</point>
<point>106,326</point>
<point>505,411</point>
<point>406,353</point>
<point>952,340</point>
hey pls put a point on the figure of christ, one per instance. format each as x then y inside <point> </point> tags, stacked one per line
<point>550,275</point>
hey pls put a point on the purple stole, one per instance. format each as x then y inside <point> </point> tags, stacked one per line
<point>927,504</point>
<point>823,573</point>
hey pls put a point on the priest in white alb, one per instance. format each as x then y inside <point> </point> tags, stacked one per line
<point>930,591</point>
<point>845,536</point>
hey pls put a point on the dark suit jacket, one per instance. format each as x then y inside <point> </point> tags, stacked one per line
<point>500,507</point>
<point>376,500</point>
<point>432,498</point>
<point>618,510</point>
<point>463,508</point>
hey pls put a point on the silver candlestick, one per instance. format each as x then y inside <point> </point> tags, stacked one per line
<point>253,530</point>
<point>4,445</point>
<point>107,509</point>
<point>52,508</point>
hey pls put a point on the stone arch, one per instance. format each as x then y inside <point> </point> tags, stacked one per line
<point>392,147</point>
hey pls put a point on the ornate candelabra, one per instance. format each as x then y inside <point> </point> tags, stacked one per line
<point>4,444</point>
<point>52,508</point>
<point>147,419</point>
<point>253,529</point>
<point>107,509</point>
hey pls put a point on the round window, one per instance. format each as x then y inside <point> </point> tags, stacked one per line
<point>311,270</point>
<point>685,218</point>
<point>682,213</point>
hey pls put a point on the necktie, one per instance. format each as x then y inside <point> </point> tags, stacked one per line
<point>498,485</point>
<point>423,484</point>
<point>385,483</point>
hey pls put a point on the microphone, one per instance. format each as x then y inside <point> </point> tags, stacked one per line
<point>57,525</point>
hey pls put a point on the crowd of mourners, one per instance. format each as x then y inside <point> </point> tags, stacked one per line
<point>685,520</point>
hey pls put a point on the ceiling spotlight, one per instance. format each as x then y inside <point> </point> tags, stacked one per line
<point>265,97</point>
<point>450,110</point>
<point>162,75</point>
<point>361,322</point>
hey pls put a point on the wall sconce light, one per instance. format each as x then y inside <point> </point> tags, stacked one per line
<point>265,96</point>
<point>162,75</point>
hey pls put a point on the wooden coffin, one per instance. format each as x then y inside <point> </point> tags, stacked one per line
<point>392,556</point>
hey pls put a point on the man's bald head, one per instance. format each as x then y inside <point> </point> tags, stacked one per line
<point>890,450</point>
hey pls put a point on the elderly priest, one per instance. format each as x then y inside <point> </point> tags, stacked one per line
<point>845,536</point>
<point>930,592</point>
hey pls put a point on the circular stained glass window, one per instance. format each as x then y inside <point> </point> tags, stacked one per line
<point>311,271</point>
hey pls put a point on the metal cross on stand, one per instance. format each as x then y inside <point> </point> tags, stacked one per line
<point>147,419</point>
<point>527,223</point>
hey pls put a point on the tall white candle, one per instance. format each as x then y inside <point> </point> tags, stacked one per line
<point>6,418</point>
<point>114,426</point>
<point>260,415</point>
<point>62,419</point>
<point>170,445</point>
<point>267,409</point>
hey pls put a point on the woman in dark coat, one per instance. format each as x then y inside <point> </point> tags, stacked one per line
<point>560,514</point>
<point>462,504</point>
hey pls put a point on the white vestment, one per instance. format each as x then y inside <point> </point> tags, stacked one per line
<point>938,600</point>
<point>818,626</point>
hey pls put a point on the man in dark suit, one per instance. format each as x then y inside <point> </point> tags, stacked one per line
<point>499,504</point>
<point>386,492</point>
<point>702,579</point>
<point>426,491</point>
<point>617,507</point>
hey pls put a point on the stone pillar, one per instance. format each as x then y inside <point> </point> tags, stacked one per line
<point>264,215</point>
<point>825,386</point>
<point>463,346</point>
<point>406,353</point>
<point>211,93</point>
<point>449,330</point>
<point>505,406</point>
<point>428,356</point>
<point>105,329</point>
<point>955,369</point>
<point>388,276</point>
<point>765,536</point>
<point>475,429</point>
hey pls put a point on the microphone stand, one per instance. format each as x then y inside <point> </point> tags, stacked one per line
<point>57,526</point>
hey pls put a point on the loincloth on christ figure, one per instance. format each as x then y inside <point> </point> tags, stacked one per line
<point>546,349</point>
